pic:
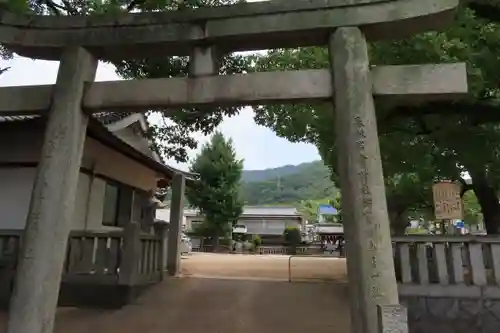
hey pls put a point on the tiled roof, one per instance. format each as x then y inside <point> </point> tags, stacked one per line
<point>111,117</point>
<point>16,118</point>
<point>264,210</point>
<point>249,211</point>
<point>105,118</point>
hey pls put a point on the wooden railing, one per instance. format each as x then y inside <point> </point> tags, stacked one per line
<point>437,266</point>
<point>93,257</point>
<point>150,263</point>
<point>126,257</point>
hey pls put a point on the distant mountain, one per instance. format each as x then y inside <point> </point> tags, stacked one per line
<point>266,174</point>
<point>287,185</point>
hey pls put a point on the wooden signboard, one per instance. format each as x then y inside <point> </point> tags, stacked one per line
<point>447,201</point>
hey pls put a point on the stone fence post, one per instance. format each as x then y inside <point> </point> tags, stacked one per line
<point>161,231</point>
<point>131,252</point>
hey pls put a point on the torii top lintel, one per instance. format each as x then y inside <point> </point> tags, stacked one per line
<point>239,27</point>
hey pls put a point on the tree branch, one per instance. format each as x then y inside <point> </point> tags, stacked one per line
<point>477,112</point>
<point>3,70</point>
<point>465,186</point>
<point>57,9</point>
<point>134,4</point>
<point>53,7</point>
<point>67,6</point>
<point>487,9</point>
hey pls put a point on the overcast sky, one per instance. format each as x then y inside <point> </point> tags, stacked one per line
<point>258,146</point>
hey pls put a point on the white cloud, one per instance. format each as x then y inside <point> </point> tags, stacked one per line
<point>258,146</point>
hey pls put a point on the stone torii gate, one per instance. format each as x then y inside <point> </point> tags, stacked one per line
<point>204,34</point>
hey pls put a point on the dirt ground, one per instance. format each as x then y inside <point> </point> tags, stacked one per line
<point>265,267</point>
<point>253,297</point>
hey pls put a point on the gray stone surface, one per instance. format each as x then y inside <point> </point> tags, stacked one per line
<point>203,61</point>
<point>50,214</point>
<point>392,319</point>
<point>175,225</point>
<point>452,315</point>
<point>252,26</point>
<point>396,84</point>
<point>370,261</point>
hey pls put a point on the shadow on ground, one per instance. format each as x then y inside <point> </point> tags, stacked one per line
<point>205,305</point>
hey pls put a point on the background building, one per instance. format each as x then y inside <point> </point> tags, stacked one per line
<point>267,222</point>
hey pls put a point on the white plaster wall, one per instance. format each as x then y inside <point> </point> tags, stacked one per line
<point>82,197</point>
<point>95,204</point>
<point>164,214</point>
<point>18,144</point>
<point>15,192</point>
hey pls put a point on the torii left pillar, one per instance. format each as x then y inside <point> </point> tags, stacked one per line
<point>36,289</point>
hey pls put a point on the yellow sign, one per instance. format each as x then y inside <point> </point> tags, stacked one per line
<point>447,201</point>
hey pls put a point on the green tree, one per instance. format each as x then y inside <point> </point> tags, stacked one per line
<point>217,193</point>
<point>292,238</point>
<point>309,208</point>
<point>472,209</point>
<point>256,241</point>
<point>419,144</point>
<point>337,204</point>
<point>311,182</point>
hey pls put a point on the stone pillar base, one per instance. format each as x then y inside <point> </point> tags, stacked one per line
<point>392,319</point>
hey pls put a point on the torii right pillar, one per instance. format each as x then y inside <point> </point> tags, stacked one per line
<point>370,264</point>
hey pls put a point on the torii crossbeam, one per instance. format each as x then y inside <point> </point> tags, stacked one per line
<point>205,34</point>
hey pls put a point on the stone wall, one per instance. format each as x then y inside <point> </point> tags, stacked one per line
<point>452,314</point>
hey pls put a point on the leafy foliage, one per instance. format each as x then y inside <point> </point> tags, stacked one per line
<point>310,181</point>
<point>472,209</point>
<point>173,135</point>
<point>282,171</point>
<point>309,208</point>
<point>216,195</point>
<point>292,238</point>
<point>256,241</point>
<point>420,144</point>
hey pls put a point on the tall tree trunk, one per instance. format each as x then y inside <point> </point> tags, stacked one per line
<point>215,241</point>
<point>488,200</point>
<point>397,217</point>
<point>399,223</point>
